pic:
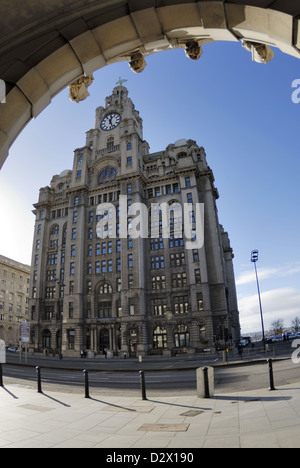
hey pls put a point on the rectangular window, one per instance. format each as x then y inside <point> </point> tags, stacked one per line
<point>197,276</point>
<point>181,305</point>
<point>130,282</point>
<point>157,262</point>
<point>200,302</point>
<point>179,280</point>
<point>159,307</point>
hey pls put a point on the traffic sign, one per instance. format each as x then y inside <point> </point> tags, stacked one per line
<point>24,332</point>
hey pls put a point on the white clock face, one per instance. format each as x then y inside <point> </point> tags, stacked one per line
<point>110,122</point>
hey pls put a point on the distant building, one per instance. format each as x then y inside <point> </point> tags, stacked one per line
<point>129,294</point>
<point>14,293</point>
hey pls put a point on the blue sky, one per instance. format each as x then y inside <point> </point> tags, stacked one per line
<point>240,111</point>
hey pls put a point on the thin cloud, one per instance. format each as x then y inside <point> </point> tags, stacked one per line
<point>281,304</point>
<point>248,277</point>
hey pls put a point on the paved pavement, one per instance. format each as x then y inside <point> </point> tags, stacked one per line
<point>60,419</point>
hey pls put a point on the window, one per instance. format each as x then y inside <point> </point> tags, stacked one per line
<point>73,250</point>
<point>157,262</point>
<point>196,255</point>
<point>72,268</point>
<point>129,160</point>
<point>50,292</point>
<point>54,230</point>
<point>49,313</point>
<point>197,276</point>
<point>105,288</point>
<point>129,188</point>
<point>176,241</point>
<point>179,280</point>
<point>129,146</point>
<point>181,305</point>
<point>110,142</point>
<point>104,310</point>
<point>158,282</point>
<point>200,302</point>
<point>189,197</point>
<point>159,307</point>
<point>160,338</point>
<point>187,182</point>
<point>202,333</point>
<point>131,309</point>
<point>71,339</point>
<point>177,259</point>
<point>78,175</point>
<point>71,310</point>
<point>182,337</point>
<point>130,261</point>
<point>52,259</point>
<point>130,282</point>
<point>75,214</point>
<point>157,244</point>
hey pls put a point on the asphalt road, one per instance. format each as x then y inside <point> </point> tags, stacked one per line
<point>227,378</point>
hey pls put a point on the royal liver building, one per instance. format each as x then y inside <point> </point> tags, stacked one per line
<point>128,253</point>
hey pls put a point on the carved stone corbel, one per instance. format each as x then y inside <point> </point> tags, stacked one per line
<point>261,53</point>
<point>137,62</point>
<point>78,90</point>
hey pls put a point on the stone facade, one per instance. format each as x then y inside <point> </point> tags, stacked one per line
<point>14,294</point>
<point>132,295</point>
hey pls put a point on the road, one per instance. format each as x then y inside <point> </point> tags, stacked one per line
<point>227,378</point>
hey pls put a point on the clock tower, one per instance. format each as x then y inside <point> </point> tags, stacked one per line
<point>119,130</point>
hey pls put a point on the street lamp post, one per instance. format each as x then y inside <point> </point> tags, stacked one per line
<point>254,259</point>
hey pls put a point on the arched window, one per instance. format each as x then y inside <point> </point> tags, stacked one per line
<point>160,338</point>
<point>54,231</point>
<point>108,172</point>
<point>105,288</point>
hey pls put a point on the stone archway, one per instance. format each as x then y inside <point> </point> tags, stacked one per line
<point>46,46</point>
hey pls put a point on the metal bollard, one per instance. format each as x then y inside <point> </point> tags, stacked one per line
<point>87,390</point>
<point>206,382</point>
<point>39,379</point>
<point>271,374</point>
<point>1,376</point>
<point>143,385</point>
